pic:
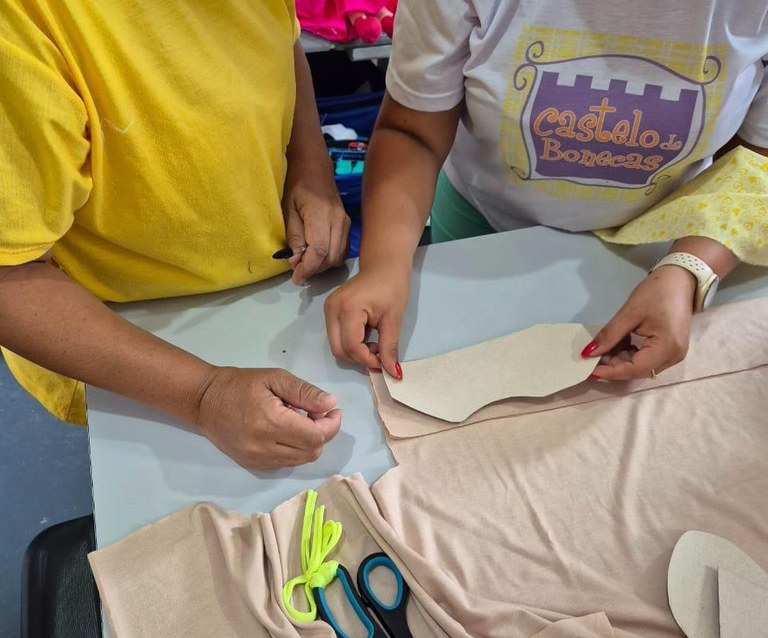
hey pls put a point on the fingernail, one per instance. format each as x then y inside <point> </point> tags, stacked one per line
<point>589,349</point>
<point>374,369</point>
<point>325,396</point>
<point>399,372</point>
<point>594,376</point>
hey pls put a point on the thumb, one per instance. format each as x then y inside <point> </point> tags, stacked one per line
<point>389,336</point>
<point>299,393</point>
<point>610,335</point>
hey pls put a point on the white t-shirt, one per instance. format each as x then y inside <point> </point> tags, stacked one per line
<point>581,114</point>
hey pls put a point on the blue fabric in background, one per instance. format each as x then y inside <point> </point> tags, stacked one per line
<point>357,111</point>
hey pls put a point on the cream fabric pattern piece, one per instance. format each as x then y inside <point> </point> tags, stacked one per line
<point>728,202</point>
<point>534,362</point>
<point>725,339</point>
<point>715,588</point>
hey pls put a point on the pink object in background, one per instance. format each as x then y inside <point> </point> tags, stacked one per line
<point>344,20</point>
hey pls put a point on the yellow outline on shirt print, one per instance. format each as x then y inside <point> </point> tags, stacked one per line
<point>701,65</point>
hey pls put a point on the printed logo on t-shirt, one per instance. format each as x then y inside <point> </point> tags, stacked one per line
<point>615,120</point>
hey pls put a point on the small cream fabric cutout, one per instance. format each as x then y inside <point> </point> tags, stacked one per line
<point>535,362</point>
<point>728,203</point>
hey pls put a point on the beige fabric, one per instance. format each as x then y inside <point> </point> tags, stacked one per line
<point>206,572</point>
<point>580,506</point>
<point>534,362</point>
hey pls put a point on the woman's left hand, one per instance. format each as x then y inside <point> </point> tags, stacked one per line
<point>316,224</point>
<point>660,310</point>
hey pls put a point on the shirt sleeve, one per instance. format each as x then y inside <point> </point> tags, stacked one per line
<point>754,129</point>
<point>429,50</point>
<point>44,146</point>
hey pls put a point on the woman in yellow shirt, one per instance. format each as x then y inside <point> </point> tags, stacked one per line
<point>157,150</point>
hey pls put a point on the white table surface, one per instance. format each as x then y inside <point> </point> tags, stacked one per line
<point>146,466</point>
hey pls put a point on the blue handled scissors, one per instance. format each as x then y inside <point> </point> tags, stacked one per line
<point>392,622</point>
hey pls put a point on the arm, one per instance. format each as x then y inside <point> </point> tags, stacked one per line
<point>407,149</point>
<point>48,318</point>
<point>314,215</point>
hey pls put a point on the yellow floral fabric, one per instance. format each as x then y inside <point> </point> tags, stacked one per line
<point>728,203</point>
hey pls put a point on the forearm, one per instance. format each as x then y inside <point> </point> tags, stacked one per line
<point>306,154</point>
<point>49,319</point>
<point>407,150</point>
<point>398,188</point>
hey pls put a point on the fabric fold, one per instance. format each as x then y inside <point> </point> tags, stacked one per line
<point>205,571</point>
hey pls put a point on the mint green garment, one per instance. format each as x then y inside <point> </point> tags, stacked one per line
<point>452,216</point>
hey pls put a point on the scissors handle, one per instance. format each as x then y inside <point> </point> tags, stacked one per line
<point>392,617</point>
<point>358,605</point>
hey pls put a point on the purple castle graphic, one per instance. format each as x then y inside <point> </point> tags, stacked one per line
<point>580,132</point>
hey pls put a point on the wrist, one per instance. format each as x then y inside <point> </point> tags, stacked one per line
<point>202,390</point>
<point>678,277</point>
<point>705,281</point>
<point>386,263</point>
<point>309,168</point>
<point>717,256</point>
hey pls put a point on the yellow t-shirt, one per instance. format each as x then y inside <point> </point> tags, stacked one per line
<point>145,142</point>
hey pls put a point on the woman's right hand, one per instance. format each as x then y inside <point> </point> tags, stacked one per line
<point>266,418</point>
<point>373,299</point>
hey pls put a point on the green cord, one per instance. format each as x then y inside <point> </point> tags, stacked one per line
<point>318,539</point>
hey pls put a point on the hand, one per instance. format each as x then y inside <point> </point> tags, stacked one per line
<point>371,299</point>
<point>315,218</point>
<point>253,416</point>
<point>659,309</point>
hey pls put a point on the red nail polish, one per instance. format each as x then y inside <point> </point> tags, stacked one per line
<point>589,349</point>
<point>594,376</point>
<point>374,369</point>
<point>399,372</point>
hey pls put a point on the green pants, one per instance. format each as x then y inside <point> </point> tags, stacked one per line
<point>452,216</point>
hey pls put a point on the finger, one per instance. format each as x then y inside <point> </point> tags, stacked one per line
<point>650,357</point>
<point>317,234</point>
<point>298,393</point>
<point>353,340</point>
<point>304,433</point>
<point>611,335</point>
<point>289,456</point>
<point>619,354</point>
<point>293,429</point>
<point>294,230</point>
<point>338,335</point>
<point>389,338</point>
<point>624,345</point>
<point>296,259</point>
<point>339,241</point>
